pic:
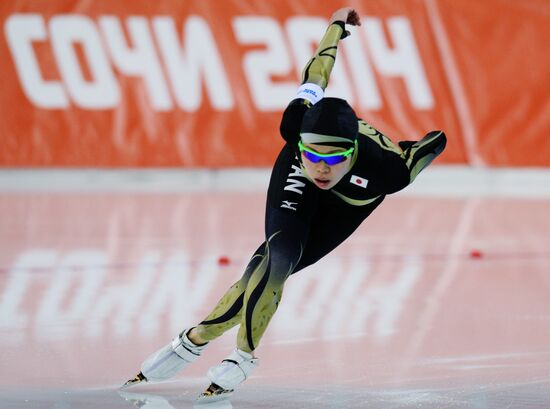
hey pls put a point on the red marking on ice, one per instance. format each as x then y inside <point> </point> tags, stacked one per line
<point>223,261</point>
<point>476,253</point>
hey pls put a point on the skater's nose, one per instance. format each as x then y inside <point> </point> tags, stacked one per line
<point>322,167</point>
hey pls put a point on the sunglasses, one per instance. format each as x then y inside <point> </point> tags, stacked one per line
<point>329,158</point>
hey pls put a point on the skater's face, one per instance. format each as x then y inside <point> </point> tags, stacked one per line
<point>325,176</point>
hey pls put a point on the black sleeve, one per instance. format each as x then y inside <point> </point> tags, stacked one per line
<point>292,120</point>
<point>403,169</point>
<point>384,157</point>
<point>395,172</point>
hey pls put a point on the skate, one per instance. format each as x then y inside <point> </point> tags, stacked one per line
<point>213,402</point>
<point>214,393</point>
<point>137,380</point>
<point>225,377</point>
<point>167,361</point>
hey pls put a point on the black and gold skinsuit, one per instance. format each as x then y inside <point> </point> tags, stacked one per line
<point>304,223</point>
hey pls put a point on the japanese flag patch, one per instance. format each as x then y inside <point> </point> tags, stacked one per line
<point>359,181</point>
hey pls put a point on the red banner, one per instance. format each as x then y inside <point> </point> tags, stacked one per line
<point>203,83</point>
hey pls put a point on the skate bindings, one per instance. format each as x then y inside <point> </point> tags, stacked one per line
<point>225,377</point>
<point>167,361</point>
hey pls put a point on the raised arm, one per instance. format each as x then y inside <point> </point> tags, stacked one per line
<point>315,75</point>
<point>317,70</point>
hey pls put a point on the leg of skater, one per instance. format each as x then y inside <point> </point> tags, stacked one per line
<point>187,346</point>
<point>291,202</point>
<point>227,313</point>
<point>261,299</point>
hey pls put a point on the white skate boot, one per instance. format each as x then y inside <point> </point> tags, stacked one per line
<point>169,360</point>
<point>225,377</point>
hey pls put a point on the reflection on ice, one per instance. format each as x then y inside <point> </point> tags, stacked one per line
<point>146,400</point>
<point>78,294</point>
<point>156,401</point>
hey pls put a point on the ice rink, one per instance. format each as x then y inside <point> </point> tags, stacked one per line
<point>441,299</point>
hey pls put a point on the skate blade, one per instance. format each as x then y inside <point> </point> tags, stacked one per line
<point>214,393</point>
<point>140,378</point>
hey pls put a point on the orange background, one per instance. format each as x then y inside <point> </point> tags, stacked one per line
<point>486,63</point>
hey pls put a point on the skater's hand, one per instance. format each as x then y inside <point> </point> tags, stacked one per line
<point>347,15</point>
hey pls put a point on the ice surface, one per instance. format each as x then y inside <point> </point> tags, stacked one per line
<point>400,316</point>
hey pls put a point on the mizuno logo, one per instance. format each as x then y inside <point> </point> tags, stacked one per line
<point>289,205</point>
